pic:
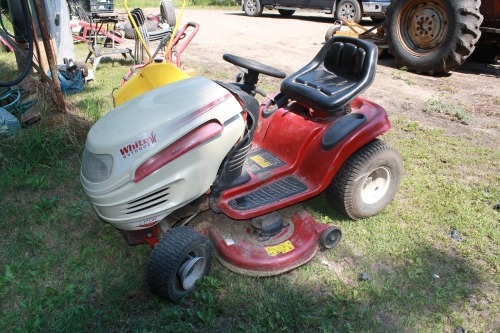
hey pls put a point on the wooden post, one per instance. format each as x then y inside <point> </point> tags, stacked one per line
<point>44,30</point>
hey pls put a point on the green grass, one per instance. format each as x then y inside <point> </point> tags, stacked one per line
<point>63,270</point>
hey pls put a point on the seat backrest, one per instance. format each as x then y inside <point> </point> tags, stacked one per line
<point>342,69</point>
<point>346,60</point>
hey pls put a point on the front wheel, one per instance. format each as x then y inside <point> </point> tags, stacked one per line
<point>178,263</point>
<point>252,7</point>
<point>349,9</point>
<point>367,182</point>
<point>330,237</point>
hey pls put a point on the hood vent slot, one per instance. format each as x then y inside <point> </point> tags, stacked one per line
<point>148,201</point>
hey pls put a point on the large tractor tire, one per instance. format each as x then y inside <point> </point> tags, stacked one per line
<point>433,36</point>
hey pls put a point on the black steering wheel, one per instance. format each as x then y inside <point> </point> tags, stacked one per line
<point>254,66</point>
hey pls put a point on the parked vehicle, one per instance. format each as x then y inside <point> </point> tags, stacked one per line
<point>437,36</point>
<point>353,10</point>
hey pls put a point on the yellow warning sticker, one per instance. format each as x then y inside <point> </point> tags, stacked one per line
<point>261,161</point>
<point>280,248</point>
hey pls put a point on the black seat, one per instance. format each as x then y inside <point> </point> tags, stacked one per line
<point>342,69</point>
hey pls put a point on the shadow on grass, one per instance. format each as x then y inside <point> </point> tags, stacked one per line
<point>407,296</point>
<point>93,281</point>
<point>400,297</point>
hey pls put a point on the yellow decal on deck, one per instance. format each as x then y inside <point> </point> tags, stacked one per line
<point>261,161</point>
<point>280,248</point>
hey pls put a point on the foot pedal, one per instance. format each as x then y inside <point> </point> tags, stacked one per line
<point>276,191</point>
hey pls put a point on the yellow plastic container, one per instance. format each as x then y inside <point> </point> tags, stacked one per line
<point>147,78</point>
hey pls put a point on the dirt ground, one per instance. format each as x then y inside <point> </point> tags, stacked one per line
<point>290,43</point>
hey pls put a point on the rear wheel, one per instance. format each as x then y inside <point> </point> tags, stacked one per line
<point>286,12</point>
<point>178,263</point>
<point>432,36</point>
<point>252,7</point>
<point>367,182</point>
<point>349,10</point>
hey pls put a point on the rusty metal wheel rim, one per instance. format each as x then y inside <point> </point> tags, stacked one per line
<point>423,27</point>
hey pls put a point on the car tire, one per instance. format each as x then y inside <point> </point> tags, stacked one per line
<point>349,10</point>
<point>286,12</point>
<point>252,7</point>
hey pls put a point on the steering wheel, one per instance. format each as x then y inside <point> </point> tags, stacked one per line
<point>253,66</point>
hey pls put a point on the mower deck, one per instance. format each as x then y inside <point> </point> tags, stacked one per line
<point>244,249</point>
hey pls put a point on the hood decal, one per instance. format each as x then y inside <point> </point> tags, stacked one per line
<point>138,145</point>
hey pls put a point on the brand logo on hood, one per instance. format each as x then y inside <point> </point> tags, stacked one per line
<point>138,145</point>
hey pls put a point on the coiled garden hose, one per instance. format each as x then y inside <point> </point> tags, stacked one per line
<point>27,23</point>
<point>11,100</point>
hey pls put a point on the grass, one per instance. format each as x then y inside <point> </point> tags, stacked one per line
<point>63,270</point>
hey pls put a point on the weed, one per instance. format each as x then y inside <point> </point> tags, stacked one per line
<point>34,239</point>
<point>44,204</point>
<point>96,108</point>
<point>402,74</point>
<point>437,105</point>
<point>36,182</point>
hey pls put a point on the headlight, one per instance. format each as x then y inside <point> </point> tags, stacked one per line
<point>96,168</point>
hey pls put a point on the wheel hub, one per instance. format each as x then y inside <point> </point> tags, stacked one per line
<point>347,11</point>
<point>425,26</point>
<point>191,271</point>
<point>375,185</point>
<point>251,5</point>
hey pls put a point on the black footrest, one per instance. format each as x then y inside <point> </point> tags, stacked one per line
<point>269,194</point>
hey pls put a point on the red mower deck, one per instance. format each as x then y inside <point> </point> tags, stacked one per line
<point>241,248</point>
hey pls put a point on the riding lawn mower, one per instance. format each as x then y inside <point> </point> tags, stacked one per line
<point>156,161</point>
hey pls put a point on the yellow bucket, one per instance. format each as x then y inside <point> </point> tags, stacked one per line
<point>148,77</point>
